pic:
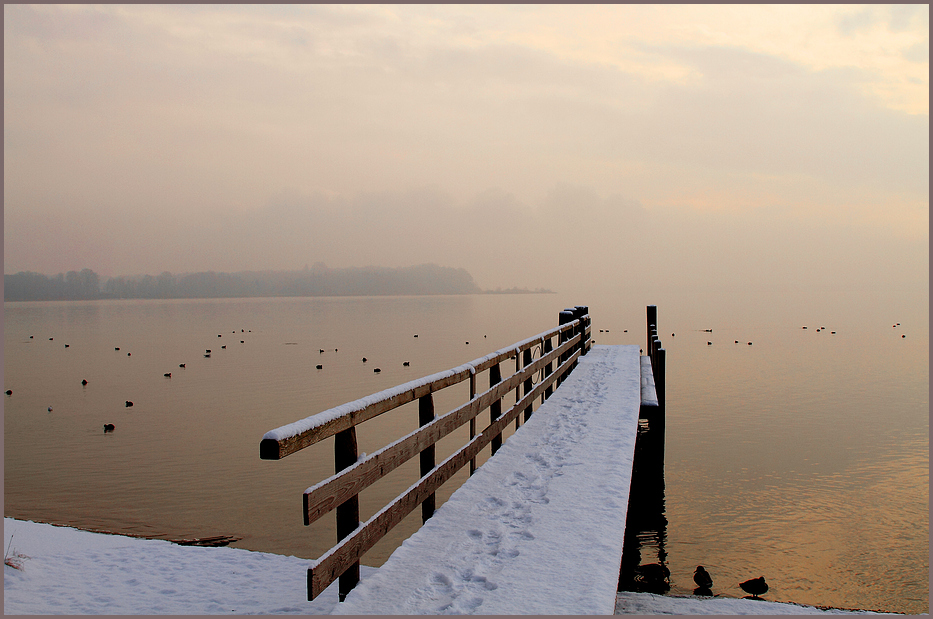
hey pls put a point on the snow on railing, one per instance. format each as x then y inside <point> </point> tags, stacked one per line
<point>340,492</point>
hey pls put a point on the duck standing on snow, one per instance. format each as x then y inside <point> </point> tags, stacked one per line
<point>702,578</point>
<point>755,586</point>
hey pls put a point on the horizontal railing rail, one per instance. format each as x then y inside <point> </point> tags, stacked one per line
<point>340,492</point>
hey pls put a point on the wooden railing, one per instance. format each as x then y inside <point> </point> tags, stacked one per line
<point>340,492</point>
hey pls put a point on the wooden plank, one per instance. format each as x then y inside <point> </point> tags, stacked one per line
<point>349,550</point>
<point>325,496</point>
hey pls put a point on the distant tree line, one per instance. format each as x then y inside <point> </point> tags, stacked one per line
<point>29,286</point>
<point>516,290</point>
<point>425,279</point>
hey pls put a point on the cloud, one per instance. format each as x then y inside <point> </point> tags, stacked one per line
<point>517,142</point>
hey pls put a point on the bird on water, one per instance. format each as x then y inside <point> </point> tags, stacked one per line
<point>702,578</point>
<point>755,586</point>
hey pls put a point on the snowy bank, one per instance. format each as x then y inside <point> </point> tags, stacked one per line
<point>628,603</point>
<point>67,571</point>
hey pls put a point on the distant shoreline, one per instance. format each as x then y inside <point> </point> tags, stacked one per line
<point>317,281</point>
<point>293,296</point>
<point>519,291</point>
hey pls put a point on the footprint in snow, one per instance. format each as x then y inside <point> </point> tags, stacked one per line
<point>440,579</point>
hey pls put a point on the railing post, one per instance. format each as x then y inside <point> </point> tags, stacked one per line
<point>426,416</point>
<point>518,391</point>
<point>548,369</point>
<point>348,513</point>
<point>529,383</point>
<point>565,317</point>
<point>472,420</point>
<point>495,409</point>
<point>582,312</point>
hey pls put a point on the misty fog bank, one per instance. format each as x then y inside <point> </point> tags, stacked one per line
<point>574,240</point>
<point>316,281</point>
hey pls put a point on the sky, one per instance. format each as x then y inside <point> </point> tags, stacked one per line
<point>556,146</point>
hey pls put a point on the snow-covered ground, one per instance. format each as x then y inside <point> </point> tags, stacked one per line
<point>72,572</point>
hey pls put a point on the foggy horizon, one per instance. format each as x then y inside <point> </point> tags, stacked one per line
<point>560,147</point>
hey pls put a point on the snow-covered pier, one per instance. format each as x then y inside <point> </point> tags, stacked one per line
<point>536,529</point>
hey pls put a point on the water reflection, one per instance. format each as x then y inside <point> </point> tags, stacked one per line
<point>803,457</point>
<point>644,558</point>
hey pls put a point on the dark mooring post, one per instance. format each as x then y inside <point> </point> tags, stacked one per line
<point>426,416</point>
<point>495,409</point>
<point>348,513</point>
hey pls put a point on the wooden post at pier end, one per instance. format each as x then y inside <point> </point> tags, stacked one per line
<point>658,356</point>
<point>652,321</point>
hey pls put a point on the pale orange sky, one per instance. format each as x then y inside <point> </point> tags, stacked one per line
<point>755,139</point>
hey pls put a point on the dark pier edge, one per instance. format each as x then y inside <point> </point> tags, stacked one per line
<point>646,524</point>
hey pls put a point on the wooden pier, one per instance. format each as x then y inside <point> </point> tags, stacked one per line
<point>602,392</point>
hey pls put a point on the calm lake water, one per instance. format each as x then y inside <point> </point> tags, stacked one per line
<point>803,457</point>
